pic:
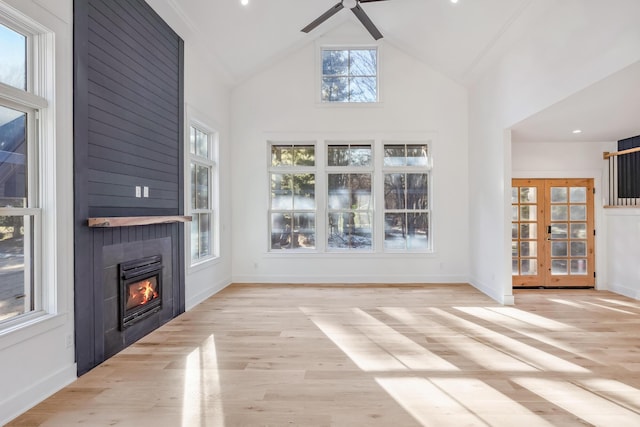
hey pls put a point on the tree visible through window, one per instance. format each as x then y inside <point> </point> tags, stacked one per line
<point>20,210</point>
<point>350,202</point>
<point>350,75</point>
<point>406,197</point>
<point>293,203</point>
<point>202,213</point>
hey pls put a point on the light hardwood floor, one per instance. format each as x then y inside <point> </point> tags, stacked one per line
<point>433,355</point>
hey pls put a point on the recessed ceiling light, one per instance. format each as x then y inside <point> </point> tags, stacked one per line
<point>244,2</point>
<point>576,131</point>
<point>454,1</point>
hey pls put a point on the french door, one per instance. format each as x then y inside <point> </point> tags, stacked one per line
<point>552,233</point>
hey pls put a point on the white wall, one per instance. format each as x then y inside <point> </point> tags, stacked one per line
<point>207,96</point>
<point>574,44</point>
<point>282,100</point>
<point>623,247</point>
<point>35,360</point>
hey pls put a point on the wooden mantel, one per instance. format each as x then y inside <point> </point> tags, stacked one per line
<point>126,221</point>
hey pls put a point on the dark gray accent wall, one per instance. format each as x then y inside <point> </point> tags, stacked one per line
<point>629,169</point>
<point>128,132</point>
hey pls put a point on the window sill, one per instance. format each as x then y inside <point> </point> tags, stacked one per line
<point>321,104</point>
<point>204,264</point>
<point>30,328</point>
<point>341,255</point>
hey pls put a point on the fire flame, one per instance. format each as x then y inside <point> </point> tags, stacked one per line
<point>141,294</point>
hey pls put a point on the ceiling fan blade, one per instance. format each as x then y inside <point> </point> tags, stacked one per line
<point>320,19</point>
<point>375,33</point>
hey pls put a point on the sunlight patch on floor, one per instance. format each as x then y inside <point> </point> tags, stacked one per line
<point>456,402</point>
<point>468,347</point>
<point>582,403</point>
<point>524,329</point>
<point>615,390</point>
<point>366,354</point>
<point>617,310</point>
<point>525,352</point>
<point>534,319</point>
<point>202,400</point>
<point>622,303</point>
<point>407,351</point>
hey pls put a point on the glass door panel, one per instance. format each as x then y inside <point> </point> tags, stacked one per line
<point>552,232</point>
<point>570,232</point>
<point>525,232</point>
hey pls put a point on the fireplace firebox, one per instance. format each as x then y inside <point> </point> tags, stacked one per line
<point>140,289</point>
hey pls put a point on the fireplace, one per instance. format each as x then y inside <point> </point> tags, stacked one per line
<point>140,289</point>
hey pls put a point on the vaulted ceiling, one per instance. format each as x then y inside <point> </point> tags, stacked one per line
<point>451,38</point>
<point>459,40</point>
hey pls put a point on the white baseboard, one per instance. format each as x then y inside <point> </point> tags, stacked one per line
<point>15,405</point>
<point>331,279</point>
<point>624,290</point>
<point>207,293</point>
<point>492,293</point>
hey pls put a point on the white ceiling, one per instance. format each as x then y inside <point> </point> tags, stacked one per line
<point>458,40</point>
<point>605,111</point>
<point>451,38</point>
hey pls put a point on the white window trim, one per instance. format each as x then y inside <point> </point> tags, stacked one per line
<point>39,97</point>
<point>199,121</point>
<point>378,139</point>
<point>327,45</point>
<point>293,170</point>
<point>371,169</point>
<point>408,170</point>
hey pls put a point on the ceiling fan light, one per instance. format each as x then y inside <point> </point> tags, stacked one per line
<point>349,4</point>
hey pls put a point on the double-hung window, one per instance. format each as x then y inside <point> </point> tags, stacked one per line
<point>406,197</point>
<point>350,201</point>
<point>292,208</point>
<point>202,149</point>
<point>349,75</point>
<point>21,290</point>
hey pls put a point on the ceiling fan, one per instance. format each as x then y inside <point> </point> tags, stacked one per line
<point>354,5</point>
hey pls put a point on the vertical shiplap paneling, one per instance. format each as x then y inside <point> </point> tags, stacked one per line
<point>128,119</point>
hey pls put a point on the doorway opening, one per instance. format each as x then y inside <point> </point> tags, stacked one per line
<point>552,233</point>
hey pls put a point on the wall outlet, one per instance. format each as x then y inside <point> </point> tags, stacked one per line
<point>138,191</point>
<point>145,191</point>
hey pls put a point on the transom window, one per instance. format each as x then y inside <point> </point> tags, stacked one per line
<point>350,75</point>
<point>13,63</point>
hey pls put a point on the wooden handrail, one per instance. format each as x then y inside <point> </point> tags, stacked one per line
<point>606,154</point>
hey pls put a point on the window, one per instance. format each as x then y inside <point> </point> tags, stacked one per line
<point>22,154</point>
<point>349,75</point>
<point>202,175</point>
<point>292,213</point>
<point>350,207</point>
<point>350,196</point>
<point>406,198</point>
